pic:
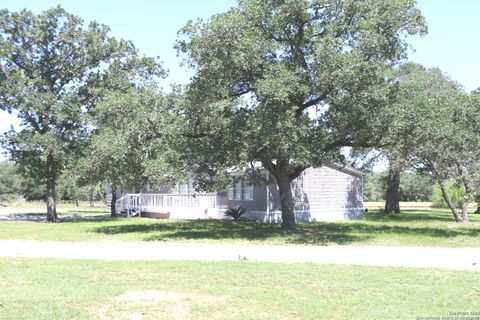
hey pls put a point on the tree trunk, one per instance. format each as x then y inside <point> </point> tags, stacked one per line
<point>113,209</point>
<point>286,201</point>
<point>465,209</point>
<point>449,202</point>
<point>392,203</point>
<point>51,176</point>
<point>90,197</point>
<point>468,192</point>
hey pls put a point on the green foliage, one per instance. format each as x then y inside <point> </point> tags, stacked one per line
<point>413,187</point>
<point>41,57</point>
<point>55,71</point>
<point>14,186</point>
<point>10,180</point>
<point>235,213</point>
<point>6,198</point>
<point>454,190</point>
<point>416,187</point>
<point>297,80</point>
<point>32,190</point>
<point>374,185</point>
<point>436,127</point>
<point>70,188</point>
<point>135,142</point>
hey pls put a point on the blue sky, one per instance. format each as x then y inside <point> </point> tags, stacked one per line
<point>152,25</point>
<point>453,40</point>
<point>452,43</point>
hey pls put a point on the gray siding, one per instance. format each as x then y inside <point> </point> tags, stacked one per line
<point>328,193</point>
<point>257,205</point>
<point>325,193</point>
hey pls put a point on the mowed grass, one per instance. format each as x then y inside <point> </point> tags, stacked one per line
<point>426,227</point>
<point>83,289</point>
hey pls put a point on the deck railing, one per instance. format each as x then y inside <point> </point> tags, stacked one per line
<point>129,203</point>
<point>133,203</point>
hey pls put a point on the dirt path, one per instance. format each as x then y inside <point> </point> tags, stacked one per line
<point>425,257</point>
<point>32,214</point>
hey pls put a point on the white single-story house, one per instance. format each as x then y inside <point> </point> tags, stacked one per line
<point>329,192</point>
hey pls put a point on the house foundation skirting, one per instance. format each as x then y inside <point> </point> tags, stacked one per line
<point>184,213</point>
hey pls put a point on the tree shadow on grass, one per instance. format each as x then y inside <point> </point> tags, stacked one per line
<point>409,215</point>
<point>23,214</point>
<point>308,233</point>
<point>92,218</point>
<point>70,216</point>
<point>311,233</point>
<point>225,230</point>
<point>41,217</point>
<point>23,217</point>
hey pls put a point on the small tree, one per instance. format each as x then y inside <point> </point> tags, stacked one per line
<point>135,140</point>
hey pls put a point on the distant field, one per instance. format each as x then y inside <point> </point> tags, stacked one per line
<point>405,205</point>
<point>409,205</point>
<point>60,205</point>
<point>421,227</point>
<point>64,209</point>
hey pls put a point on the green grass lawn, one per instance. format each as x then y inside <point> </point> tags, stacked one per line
<point>410,228</point>
<point>83,289</point>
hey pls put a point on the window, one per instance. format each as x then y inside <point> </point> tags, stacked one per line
<point>186,188</point>
<point>242,190</point>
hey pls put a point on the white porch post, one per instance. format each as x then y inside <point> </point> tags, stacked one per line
<point>268,194</point>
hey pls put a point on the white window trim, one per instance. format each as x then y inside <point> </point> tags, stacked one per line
<point>189,187</point>
<point>243,191</point>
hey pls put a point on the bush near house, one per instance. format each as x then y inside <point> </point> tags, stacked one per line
<point>236,213</point>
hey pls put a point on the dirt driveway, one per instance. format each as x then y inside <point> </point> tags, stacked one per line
<point>424,257</point>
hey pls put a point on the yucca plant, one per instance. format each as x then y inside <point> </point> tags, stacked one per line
<point>235,212</point>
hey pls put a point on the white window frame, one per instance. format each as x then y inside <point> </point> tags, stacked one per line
<point>188,187</point>
<point>241,191</point>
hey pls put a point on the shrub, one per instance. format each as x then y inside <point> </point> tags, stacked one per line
<point>455,191</point>
<point>416,187</point>
<point>235,212</point>
<point>7,198</point>
<point>374,186</point>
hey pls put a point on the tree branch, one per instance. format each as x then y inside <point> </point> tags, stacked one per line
<point>34,123</point>
<point>315,100</point>
<point>345,142</point>
<point>296,172</point>
<point>270,166</point>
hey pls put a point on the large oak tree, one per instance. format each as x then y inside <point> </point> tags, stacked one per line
<point>436,130</point>
<point>54,71</point>
<point>296,79</point>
